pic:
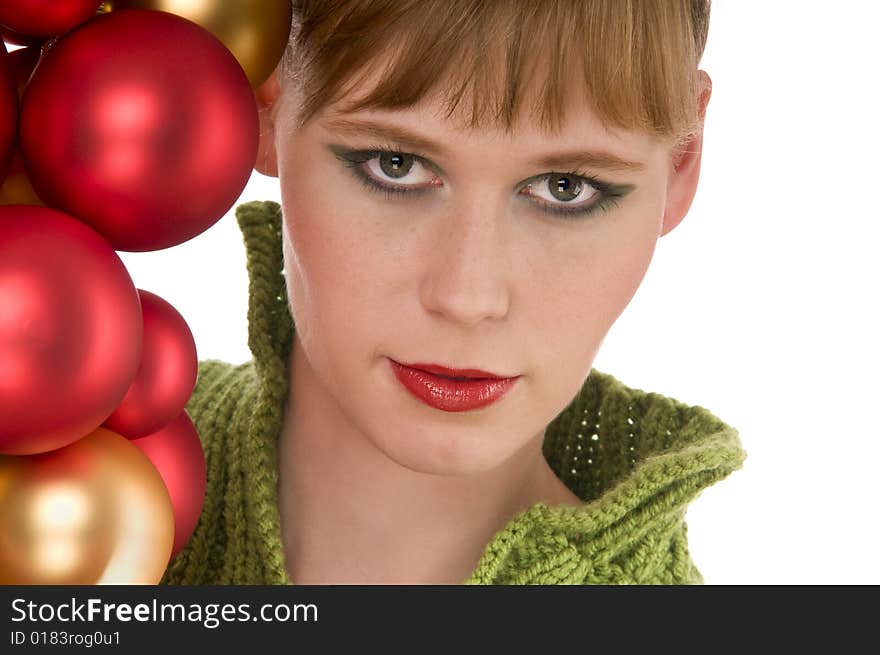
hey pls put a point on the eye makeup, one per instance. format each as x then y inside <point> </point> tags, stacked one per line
<point>609,195</point>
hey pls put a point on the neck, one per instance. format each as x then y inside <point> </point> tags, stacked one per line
<point>352,515</point>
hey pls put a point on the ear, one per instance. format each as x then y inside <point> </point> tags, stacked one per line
<point>685,165</point>
<point>267,96</point>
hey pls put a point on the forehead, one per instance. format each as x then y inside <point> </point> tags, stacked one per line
<point>432,129</point>
<point>466,105</point>
<point>473,118</point>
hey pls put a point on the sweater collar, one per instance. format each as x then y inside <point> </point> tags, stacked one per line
<point>636,459</point>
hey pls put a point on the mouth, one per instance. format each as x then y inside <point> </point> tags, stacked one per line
<point>452,389</point>
<point>457,373</point>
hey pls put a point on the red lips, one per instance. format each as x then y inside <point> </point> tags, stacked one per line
<point>455,372</point>
<point>437,387</point>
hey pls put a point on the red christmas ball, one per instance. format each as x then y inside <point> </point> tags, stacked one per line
<point>176,452</point>
<point>22,63</point>
<point>46,17</point>
<point>70,330</point>
<point>167,374</point>
<point>142,124</point>
<point>8,112</point>
<point>13,37</point>
<point>16,188</point>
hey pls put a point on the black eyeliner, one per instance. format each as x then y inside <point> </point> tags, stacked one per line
<point>610,193</point>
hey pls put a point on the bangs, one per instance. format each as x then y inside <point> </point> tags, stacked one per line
<point>633,61</point>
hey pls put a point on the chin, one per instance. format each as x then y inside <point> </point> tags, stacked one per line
<point>455,453</point>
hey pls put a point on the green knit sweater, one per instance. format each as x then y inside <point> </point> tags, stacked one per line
<point>636,459</point>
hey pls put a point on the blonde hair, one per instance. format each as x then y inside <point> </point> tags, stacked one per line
<point>636,59</point>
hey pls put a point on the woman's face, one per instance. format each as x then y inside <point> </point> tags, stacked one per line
<point>463,263</point>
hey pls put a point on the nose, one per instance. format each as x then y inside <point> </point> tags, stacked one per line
<point>466,276</point>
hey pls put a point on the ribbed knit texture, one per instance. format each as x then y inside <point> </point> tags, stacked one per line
<point>636,459</point>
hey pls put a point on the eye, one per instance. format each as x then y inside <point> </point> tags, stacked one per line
<point>568,189</point>
<point>572,195</point>
<point>382,166</point>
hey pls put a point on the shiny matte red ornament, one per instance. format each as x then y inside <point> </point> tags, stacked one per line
<point>16,188</point>
<point>176,452</point>
<point>22,63</point>
<point>13,37</point>
<point>142,124</point>
<point>167,374</point>
<point>70,330</point>
<point>8,112</point>
<point>46,17</point>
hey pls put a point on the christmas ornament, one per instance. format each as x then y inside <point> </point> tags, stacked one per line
<point>177,454</point>
<point>13,37</point>
<point>46,17</point>
<point>93,512</point>
<point>111,115</point>
<point>70,330</point>
<point>8,112</point>
<point>16,189</point>
<point>132,112</point>
<point>255,31</point>
<point>166,376</point>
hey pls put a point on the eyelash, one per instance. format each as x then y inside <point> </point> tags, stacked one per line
<point>609,197</point>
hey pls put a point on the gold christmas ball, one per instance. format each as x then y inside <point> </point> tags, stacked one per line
<point>93,512</point>
<point>254,31</point>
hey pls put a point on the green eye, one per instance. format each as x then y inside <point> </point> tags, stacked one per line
<point>395,164</point>
<point>562,186</point>
<point>567,186</point>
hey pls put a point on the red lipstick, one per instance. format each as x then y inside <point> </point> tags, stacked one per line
<point>450,389</point>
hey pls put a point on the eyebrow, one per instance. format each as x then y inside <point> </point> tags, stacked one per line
<point>409,139</point>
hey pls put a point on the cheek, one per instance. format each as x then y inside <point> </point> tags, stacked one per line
<point>616,261</point>
<point>333,262</point>
<point>583,286</point>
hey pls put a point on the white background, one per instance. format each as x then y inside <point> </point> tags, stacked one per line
<point>761,306</point>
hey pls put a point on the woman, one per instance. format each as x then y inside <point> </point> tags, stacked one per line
<point>471,194</point>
